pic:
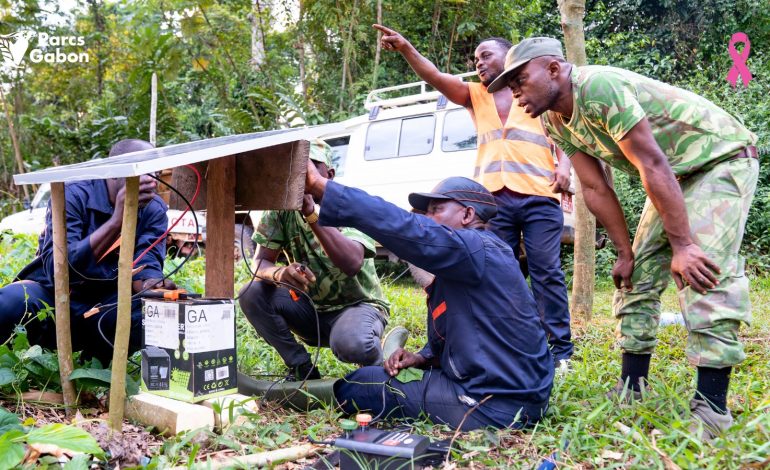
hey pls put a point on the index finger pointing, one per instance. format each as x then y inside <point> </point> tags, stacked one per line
<point>383,29</point>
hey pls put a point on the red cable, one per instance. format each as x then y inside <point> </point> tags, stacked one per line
<point>186,210</point>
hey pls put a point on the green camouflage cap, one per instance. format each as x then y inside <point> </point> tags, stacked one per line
<point>321,152</point>
<point>522,53</point>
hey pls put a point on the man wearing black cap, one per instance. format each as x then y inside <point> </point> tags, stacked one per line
<point>486,350</point>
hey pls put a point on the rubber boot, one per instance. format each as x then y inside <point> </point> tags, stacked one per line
<point>311,394</point>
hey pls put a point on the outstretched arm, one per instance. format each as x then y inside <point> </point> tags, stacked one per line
<point>450,86</point>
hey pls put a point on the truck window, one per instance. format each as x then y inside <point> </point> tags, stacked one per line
<point>405,137</point>
<point>382,139</point>
<point>459,133</point>
<point>417,136</point>
<point>339,147</point>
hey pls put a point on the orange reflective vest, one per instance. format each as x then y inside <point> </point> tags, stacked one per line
<point>516,156</point>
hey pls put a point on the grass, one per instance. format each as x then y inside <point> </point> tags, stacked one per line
<point>580,426</point>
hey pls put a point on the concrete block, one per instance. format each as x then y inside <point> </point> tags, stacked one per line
<point>166,415</point>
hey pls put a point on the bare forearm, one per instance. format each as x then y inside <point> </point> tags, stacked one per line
<point>103,237</point>
<point>344,253</point>
<point>605,206</point>
<point>454,89</point>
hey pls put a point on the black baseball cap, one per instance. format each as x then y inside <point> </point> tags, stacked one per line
<point>462,190</point>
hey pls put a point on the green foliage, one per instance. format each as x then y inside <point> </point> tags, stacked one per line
<point>13,436</point>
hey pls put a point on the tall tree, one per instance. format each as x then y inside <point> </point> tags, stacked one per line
<point>572,12</point>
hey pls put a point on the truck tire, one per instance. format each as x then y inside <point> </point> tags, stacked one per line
<point>243,242</point>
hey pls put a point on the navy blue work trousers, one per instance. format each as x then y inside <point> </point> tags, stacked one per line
<point>436,397</point>
<point>353,333</point>
<point>21,301</point>
<point>540,220</point>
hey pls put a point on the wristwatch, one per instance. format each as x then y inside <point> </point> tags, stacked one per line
<point>313,216</point>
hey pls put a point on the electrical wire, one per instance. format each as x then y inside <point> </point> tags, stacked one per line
<point>106,308</point>
<point>179,219</point>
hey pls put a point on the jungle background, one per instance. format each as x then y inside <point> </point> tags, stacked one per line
<point>228,67</point>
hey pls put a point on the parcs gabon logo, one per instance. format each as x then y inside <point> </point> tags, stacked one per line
<point>48,49</point>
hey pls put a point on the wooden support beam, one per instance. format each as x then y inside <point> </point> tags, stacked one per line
<point>220,223</point>
<point>123,323</point>
<point>61,275</point>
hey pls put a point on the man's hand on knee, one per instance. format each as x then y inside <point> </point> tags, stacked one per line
<point>403,359</point>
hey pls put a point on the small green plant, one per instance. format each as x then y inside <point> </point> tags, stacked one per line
<point>14,436</point>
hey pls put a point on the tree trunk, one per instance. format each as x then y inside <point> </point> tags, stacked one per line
<point>572,12</point>
<point>346,53</point>
<point>99,27</point>
<point>14,141</point>
<point>451,44</point>
<point>154,109</point>
<point>257,36</point>
<point>301,49</point>
<point>379,47</point>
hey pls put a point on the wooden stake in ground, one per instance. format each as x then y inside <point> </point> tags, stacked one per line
<point>14,141</point>
<point>153,108</point>
<point>572,12</point>
<point>61,275</point>
<point>123,323</point>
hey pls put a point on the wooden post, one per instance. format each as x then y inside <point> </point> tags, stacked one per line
<point>572,12</point>
<point>123,323</point>
<point>153,108</point>
<point>220,227</point>
<point>61,275</point>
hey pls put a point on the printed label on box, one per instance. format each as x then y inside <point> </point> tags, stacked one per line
<point>209,328</point>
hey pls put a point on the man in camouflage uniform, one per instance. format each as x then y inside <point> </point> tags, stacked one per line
<point>699,167</point>
<point>335,267</point>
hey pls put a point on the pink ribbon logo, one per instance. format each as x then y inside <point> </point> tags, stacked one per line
<point>739,60</point>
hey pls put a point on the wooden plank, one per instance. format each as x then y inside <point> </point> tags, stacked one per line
<point>123,323</point>
<point>220,227</point>
<point>168,416</point>
<point>268,178</point>
<point>61,276</point>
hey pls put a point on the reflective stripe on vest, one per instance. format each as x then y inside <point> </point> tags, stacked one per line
<point>514,167</point>
<point>517,155</point>
<point>514,134</point>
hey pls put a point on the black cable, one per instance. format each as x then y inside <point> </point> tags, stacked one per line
<point>106,308</point>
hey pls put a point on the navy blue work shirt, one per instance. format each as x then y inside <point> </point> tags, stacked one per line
<point>88,207</point>
<point>483,324</point>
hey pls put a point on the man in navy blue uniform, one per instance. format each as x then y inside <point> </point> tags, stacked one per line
<point>486,349</point>
<point>94,211</point>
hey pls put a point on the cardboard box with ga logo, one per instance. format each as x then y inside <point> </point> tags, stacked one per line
<point>188,348</point>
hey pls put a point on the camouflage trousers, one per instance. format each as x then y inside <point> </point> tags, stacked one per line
<point>717,202</point>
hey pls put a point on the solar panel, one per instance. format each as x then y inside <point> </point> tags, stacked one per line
<point>152,160</point>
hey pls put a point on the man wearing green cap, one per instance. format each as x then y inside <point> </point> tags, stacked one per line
<point>699,167</point>
<point>333,267</point>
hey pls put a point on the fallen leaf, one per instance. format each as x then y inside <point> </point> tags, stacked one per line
<point>668,464</point>
<point>612,455</point>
